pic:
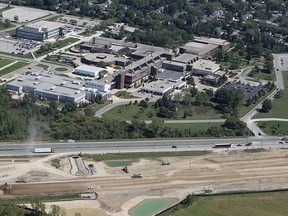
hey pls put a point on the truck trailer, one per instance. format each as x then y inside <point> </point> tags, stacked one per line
<point>224,145</point>
<point>44,150</point>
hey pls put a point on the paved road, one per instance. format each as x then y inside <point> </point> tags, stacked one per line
<point>279,65</point>
<point>119,101</point>
<point>133,146</point>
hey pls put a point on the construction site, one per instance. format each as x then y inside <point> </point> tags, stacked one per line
<point>115,190</point>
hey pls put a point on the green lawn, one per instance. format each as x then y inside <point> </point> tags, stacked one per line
<point>61,69</point>
<point>54,60</point>
<point>274,127</point>
<point>262,204</point>
<point>279,109</point>
<point>45,67</point>
<point>11,32</point>
<point>97,107</point>
<point>124,94</point>
<point>62,43</point>
<point>126,113</point>
<point>194,126</point>
<point>264,76</point>
<point>28,55</point>
<point>13,67</point>
<point>4,62</point>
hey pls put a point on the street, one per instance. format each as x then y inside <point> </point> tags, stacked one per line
<point>138,146</point>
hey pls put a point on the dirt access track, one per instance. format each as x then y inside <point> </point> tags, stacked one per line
<point>118,192</point>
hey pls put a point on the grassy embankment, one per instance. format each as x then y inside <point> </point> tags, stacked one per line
<point>258,204</point>
<point>138,155</point>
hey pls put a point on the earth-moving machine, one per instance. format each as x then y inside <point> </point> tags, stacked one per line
<point>137,176</point>
<point>125,169</point>
<point>6,187</point>
<point>22,180</point>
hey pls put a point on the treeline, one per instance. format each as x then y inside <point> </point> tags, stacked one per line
<point>169,23</point>
<point>38,208</point>
<point>20,119</point>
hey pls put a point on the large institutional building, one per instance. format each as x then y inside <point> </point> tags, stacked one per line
<point>58,88</point>
<point>146,60</point>
<point>40,31</point>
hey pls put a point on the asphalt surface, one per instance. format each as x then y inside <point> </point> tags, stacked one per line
<point>8,149</point>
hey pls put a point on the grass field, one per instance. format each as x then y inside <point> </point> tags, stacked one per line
<point>274,127</point>
<point>262,204</point>
<point>45,67</point>
<point>138,155</point>
<point>195,126</point>
<point>4,62</point>
<point>278,105</point>
<point>126,113</point>
<point>13,67</point>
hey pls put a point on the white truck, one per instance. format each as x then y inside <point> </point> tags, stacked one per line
<point>44,150</point>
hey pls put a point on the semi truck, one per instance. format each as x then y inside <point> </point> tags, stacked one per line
<point>44,150</point>
<point>224,145</point>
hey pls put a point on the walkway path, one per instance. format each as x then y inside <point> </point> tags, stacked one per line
<point>8,65</point>
<point>270,119</point>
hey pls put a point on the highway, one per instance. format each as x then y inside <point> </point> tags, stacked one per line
<point>9,149</point>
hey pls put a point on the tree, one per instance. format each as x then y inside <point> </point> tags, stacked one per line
<point>101,64</point>
<point>229,100</point>
<point>7,23</point>
<point>144,104</point>
<point>57,211</point>
<point>156,125</point>
<point>266,105</point>
<point>39,207</point>
<point>69,107</point>
<point>234,123</point>
<point>190,199</point>
<point>16,18</point>
<point>89,111</point>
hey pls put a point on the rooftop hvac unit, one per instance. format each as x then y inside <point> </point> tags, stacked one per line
<point>20,79</point>
<point>35,83</point>
<point>63,83</point>
<point>53,87</point>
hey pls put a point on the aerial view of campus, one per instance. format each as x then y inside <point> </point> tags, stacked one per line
<point>143,107</point>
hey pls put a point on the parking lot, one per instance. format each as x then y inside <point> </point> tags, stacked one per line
<point>24,14</point>
<point>248,90</point>
<point>80,22</point>
<point>284,62</point>
<point>18,46</point>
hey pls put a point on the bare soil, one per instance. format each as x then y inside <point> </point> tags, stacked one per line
<point>118,192</point>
